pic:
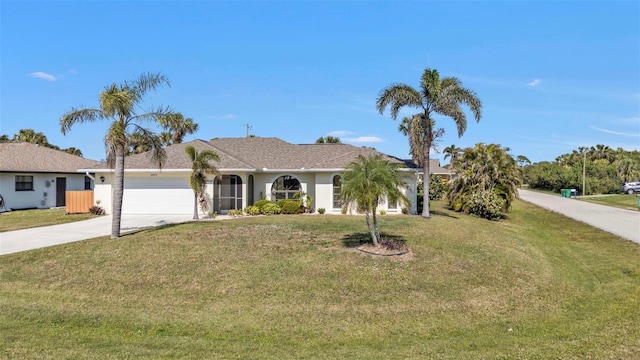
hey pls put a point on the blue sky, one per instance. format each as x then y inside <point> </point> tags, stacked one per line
<point>552,76</point>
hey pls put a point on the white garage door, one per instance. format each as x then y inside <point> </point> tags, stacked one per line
<point>157,195</point>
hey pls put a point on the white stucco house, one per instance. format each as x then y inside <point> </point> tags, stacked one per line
<point>33,176</point>
<point>250,169</point>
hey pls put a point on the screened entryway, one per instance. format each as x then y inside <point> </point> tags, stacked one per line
<point>227,193</point>
<point>285,187</point>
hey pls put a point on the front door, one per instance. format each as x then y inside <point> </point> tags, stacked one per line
<point>61,190</point>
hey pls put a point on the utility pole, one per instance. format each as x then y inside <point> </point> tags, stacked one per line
<point>584,168</point>
<point>248,128</point>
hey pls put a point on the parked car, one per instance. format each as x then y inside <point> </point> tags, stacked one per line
<point>630,187</point>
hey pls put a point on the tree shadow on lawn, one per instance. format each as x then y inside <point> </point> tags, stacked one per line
<point>443,213</point>
<point>356,239</point>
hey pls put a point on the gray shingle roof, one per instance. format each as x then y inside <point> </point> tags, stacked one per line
<point>27,157</point>
<point>262,153</point>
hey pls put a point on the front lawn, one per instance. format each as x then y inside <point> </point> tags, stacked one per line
<point>25,219</point>
<point>535,286</point>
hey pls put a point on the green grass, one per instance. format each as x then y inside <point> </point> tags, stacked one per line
<point>25,219</point>
<point>623,201</point>
<point>536,286</point>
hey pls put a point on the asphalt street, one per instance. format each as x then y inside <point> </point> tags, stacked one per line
<point>621,222</point>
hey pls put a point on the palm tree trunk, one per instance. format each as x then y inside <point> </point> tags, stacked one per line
<point>372,232</point>
<point>195,206</point>
<point>118,190</point>
<point>425,180</point>
<point>376,229</point>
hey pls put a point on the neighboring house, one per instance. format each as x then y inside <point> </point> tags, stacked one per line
<point>33,176</point>
<point>251,169</point>
<point>436,169</point>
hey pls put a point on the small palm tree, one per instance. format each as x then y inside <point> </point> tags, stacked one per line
<point>118,104</point>
<point>178,126</point>
<point>328,140</point>
<point>368,181</point>
<point>201,166</point>
<point>436,95</point>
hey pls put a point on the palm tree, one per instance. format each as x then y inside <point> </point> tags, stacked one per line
<point>31,136</point>
<point>118,104</point>
<point>437,95</point>
<point>368,181</point>
<point>201,167</point>
<point>178,126</point>
<point>328,140</point>
<point>484,168</point>
<point>451,151</point>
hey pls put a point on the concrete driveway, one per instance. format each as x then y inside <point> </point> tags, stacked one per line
<point>28,239</point>
<point>620,222</point>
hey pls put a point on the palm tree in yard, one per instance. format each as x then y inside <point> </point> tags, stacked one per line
<point>178,126</point>
<point>119,105</point>
<point>368,181</point>
<point>443,96</point>
<point>201,166</point>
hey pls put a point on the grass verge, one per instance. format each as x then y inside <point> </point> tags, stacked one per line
<point>535,286</point>
<point>623,201</point>
<point>25,219</point>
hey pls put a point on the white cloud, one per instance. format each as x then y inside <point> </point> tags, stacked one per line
<point>340,133</point>
<point>364,139</point>
<point>42,75</point>
<point>535,83</point>
<point>614,132</point>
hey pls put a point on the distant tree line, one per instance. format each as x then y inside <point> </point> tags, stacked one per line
<point>31,136</point>
<point>605,169</point>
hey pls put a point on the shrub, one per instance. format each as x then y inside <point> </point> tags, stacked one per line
<point>252,210</point>
<point>291,207</point>
<point>383,212</point>
<point>486,204</point>
<point>321,211</point>
<point>213,214</point>
<point>260,203</point>
<point>96,210</point>
<point>405,211</point>
<point>235,212</point>
<point>281,202</point>
<point>270,209</point>
<point>437,188</point>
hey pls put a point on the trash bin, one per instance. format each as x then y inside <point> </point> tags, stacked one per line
<point>565,193</point>
<point>574,193</point>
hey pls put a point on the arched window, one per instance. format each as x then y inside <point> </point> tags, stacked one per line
<point>285,187</point>
<point>337,188</point>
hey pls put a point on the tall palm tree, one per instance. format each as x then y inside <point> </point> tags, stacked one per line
<point>328,140</point>
<point>201,166</point>
<point>444,96</point>
<point>178,126</point>
<point>368,181</point>
<point>118,104</point>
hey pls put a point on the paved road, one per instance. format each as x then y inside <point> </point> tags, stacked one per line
<point>620,222</point>
<point>28,239</point>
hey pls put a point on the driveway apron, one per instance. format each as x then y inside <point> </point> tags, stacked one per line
<point>621,222</point>
<point>28,239</point>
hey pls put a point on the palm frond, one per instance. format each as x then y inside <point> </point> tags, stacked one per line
<point>78,116</point>
<point>396,97</point>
